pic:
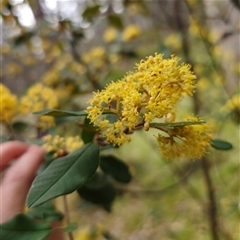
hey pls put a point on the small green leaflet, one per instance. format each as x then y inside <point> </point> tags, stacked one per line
<point>221,144</point>
<point>175,124</point>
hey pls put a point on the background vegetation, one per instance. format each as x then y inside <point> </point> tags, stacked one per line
<point>77,47</point>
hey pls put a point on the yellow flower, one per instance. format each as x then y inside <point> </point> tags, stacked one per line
<point>96,57</point>
<point>8,104</point>
<point>186,141</point>
<point>130,32</point>
<point>152,91</point>
<point>61,146</point>
<point>54,144</point>
<point>73,143</point>
<point>192,3</point>
<point>46,122</point>
<point>174,41</point>
<point>63,92</point>
<point>89,233</point>
<point>164,82</point>
<point>233,103</point>
<point>110,34</point>
<point>196,29</point>
<point>39,97</point>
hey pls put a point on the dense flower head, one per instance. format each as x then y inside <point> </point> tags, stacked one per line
<point>185,141</point>
<point>61,146</point>
<point>149,93</point>
<point>8,106</point>
<point>39,97</point>
<point>164,82</point>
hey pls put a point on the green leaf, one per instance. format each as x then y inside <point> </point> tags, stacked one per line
<point>115,168</point>
<point>64,175</point>
<point>23,38</point>
<point>60,113</point>
<point>71,227</point>
<point>115,21</point>
<point>112,118</point>
<point>129,53</point>
<point>88,131</point>
<point>91,12</point>
<point>19,126</point>
<point>22,227</point>
<point>48,158</point>
<point>98,190</point>
<point>221,144</point>
<point>175,124</point>
<point>45,212</point>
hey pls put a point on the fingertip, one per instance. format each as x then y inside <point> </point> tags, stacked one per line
<point>39,151</point>
<point>11,150</point>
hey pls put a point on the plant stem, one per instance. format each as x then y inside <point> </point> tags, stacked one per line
<point>212,209</point>
<point>10,131</point>
<point>66,213</point>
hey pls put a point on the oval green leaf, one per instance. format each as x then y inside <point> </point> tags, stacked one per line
<point>98,190</point>
<point>221,144</point>
<point>64,175</point>
<point>116,168</point>
<point>91,12</point>
<point>22,227</point>
<point>88,131</point>
<point>45,212</point>
<point>60,113</point>
<point>175,124</point>
<point>115,21</point>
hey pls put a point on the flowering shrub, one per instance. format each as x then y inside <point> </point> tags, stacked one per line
<point>89,108</point>
<point>150,93</point>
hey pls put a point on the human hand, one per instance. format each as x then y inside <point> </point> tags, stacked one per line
<point>18,177</point>
<point>20,162</point>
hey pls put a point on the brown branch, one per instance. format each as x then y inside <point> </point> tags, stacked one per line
<point>212,205</point>
<point>66,213</point>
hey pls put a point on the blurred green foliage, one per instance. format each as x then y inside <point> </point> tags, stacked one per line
<point>77,47</point>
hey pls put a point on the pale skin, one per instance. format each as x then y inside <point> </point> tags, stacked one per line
<point>20,162</point>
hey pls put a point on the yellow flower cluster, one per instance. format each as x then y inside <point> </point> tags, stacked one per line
<point>232,107</point>
<point>150,92</point>
<point>173,41</point>
<point>61,146</point>
<point>186,141</point>
<point>96,57</point>
<point>233,103</point>
<point>110,35</point>
<point>39,97</point>
<point>130,32</point>
<point>8,104</point>
<point>90,233</point>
